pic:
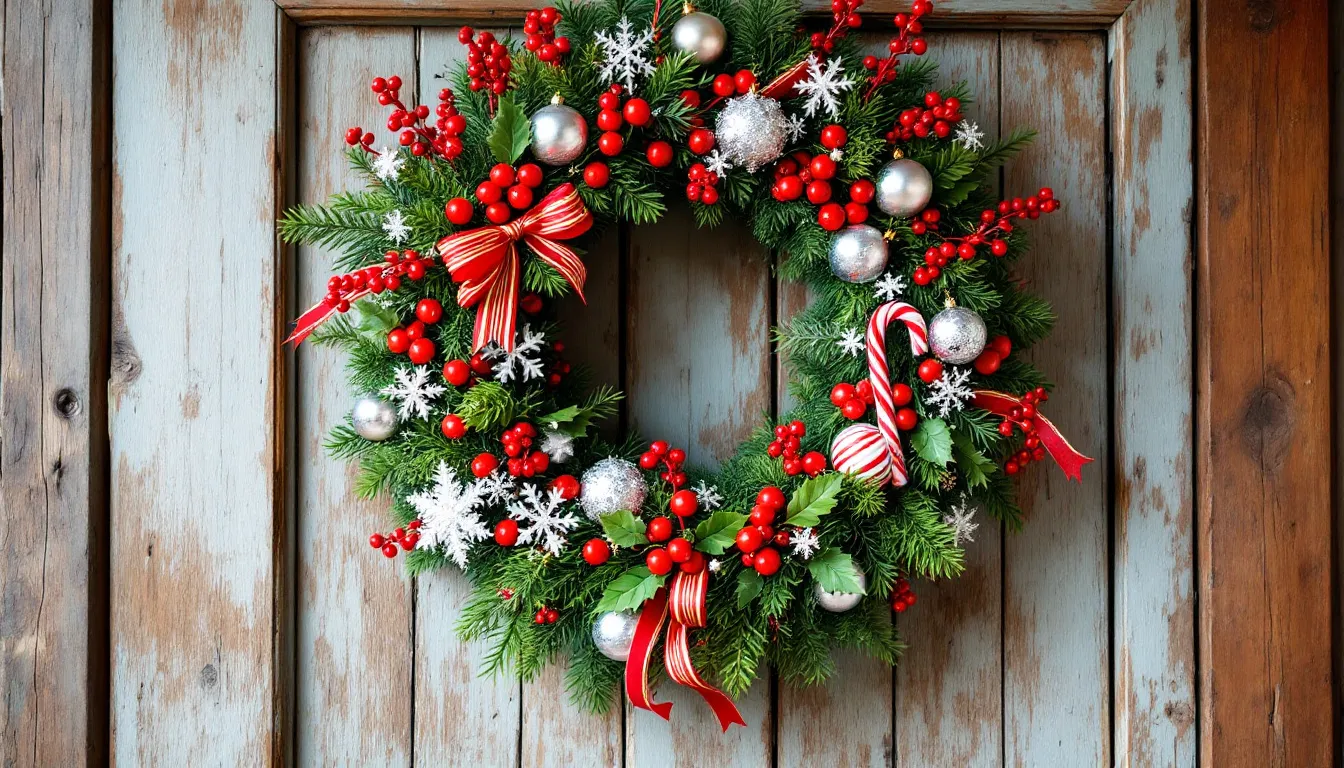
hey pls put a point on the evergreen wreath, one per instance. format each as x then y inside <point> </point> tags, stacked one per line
<point>483,436</point>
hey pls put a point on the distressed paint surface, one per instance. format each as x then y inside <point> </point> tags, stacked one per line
<point>354,606</point>
<point>1057,692</point>
<point>1153,587</point>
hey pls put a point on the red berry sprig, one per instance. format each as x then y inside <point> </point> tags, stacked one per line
<point>1023,417</point>
<point>907,40</point>
<point>539,26</point>
<point>787,444</point>
<point>936,117</point>
<point>507,189</point>
<point>995,224</point>
<point>488,64</point>
<point>407,537</point>
<point>996,351</point>
<point>853,399</point>
<point>844,17</point>
<point>902,597</point>
<point>754,540</point>
<point>442,139</point>
<point>545,615</point>
<point>523,460</point>
<point>374,278</point>
<point>410,339</point>
<point>671,459</point>
<point>702,185</point>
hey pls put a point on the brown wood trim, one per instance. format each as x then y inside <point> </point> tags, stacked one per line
<point>1264,382</point>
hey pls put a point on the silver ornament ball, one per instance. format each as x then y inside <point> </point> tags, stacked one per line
<point>559,134</point>
<point>904,188</point>
<point>614,633</point>
<point>700,35</point>
<point>374,419</point>
<point>839,602</point>
<point>751,131</point>
<point>957,335</point>
<point>612,485</point>
<point>858,254</point>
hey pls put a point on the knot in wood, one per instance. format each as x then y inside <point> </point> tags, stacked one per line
<point>1267,423</point>
<point>66,403</point>
<point>1262,15</point>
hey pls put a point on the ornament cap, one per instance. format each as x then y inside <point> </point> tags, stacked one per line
<point>557,98</point>
<point>889,235</point>
<point>897,154</point>
<point>687,9</point>
<point>948,301</point>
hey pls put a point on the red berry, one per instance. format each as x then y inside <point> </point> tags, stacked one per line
<point>814,463</point>
<point>421,351</point>
<point>429,310</point>
<point>453,427</point>
<point>694,564</point>
<point>660,153</point>
<point>610,143</point>
<point>609,120</point>
<point>458,211</point>
<point>679,550</point>
<point>488,192</point>
<point>761,514</point>
<point>529,175</point>
<point>766,561</point>
<point>648,460</point>
<point>930,371</point>
<point>596,175</point>
<point>747,560</point>
<point>855,213</point>
<point>637,112</point>
<point>788,188</point>
<point>398,341</point>
<point>390,549</point>
<point>376,541</point>
<point>520,197</point>
<point>819,192</point>
<point>901,394</point>
<point>484,464</point>
<point>831,217</point>
<point>724,86</point>
<point>690,98</point>
<point>1003,345</point>
<point>658,561</point>
<point>659,529</point>
<point>743,80</point>
<point>506,532</point>
<point>552,615</point>
<point>567,485</point>
<point>842,393</point>
<point>854,409</point>
<point>658,447</point>
<point>833,137</point>
<point>822,167</point>
<point>596,552</point>
<point>609,100</point>
<point>684,504</point>
<point>701,141</point>
<point>498,213</point>
<point>415,330</point>
<point>501,175</point>
<point>906,419</point>
<point>709,196</point>
<point>749,540</point>
<point>479,365</point>
<point>771,497</point>
<point>988,362</point>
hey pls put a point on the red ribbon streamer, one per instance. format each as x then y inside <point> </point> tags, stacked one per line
<point>322,311</point>
<point>686,601</point>
<point>782,87</point>
<point>1065,455</point>
<point>485,261</point>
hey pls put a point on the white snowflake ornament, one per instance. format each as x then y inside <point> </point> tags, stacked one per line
<point>959,519</point>
<point>510,366</point>
<point>447,515</point>
<point>413,390</point>
<point>388,164</point>
<point>496,488</point>
<point>715,565</point>
<point>795,128</point>
<point>950,391</point>
<point>708,495</point>
<point>888,287</point>
<point>852,342</point>
<point>395,226</point>
<point>557,445</point>
<point>823,86</point>
<point>716,163</point>
<point>542,520</point>
<point>969,136</point>
<point>805,543</point>
<point>625,55</point>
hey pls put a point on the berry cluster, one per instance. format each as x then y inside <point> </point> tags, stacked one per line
<point>545,615</point>
<point>678,551</point>
<point>406,537</point>
<point>444,139</point>
<point>907,40</point>
<point>788,441</point>
<point>342,289</point>
<point>612,116</point>
<point>726,86</point>
<point>523,460</point>
<point>505,184</point>
<point>936,117</point>
<point>844,17</point>
<point>902,597</point>
<point>996,351</point>
<point>995,224</point>
<point>460,372</point>
<point>410,340</point>
<point>755,540</point>
<point>539,26</point>
<point>488,63</point>
<point>702,184</point>
<point>1024,418</point>
<point>802,174</point>
<point>853,399</point>
<point>670,459</point>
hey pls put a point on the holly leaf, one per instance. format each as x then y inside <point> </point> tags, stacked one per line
<point>624,529</point>
<point>749,584</point>
<point>629,590</point>
<point>835,571</point>
<point>932,440</point>
<point>813,499</point>
<point>717,533</point>
<point>375,320</point>
<point>510,133</point>
<point>972,463</point>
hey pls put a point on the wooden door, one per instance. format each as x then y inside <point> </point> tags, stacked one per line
<point>236,615</point>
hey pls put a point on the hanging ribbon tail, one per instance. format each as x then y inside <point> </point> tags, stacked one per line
<point>1065,455</point>
<point>322,311</point>
<point>688,611</point>
<point>647,629</point>
<point>782,87</point>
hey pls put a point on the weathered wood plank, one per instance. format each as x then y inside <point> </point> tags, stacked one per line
<point>1264,384</point>
<point>354,605</point>
<point>197,480</point>
<point>1152,354</point>
<point>1056,625</point>
<point>53,372</point>
<point>949,684</point>
<point>698,376</point>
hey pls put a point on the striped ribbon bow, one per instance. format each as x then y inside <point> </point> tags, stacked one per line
<point>485,261</point>
<point>685,601</point>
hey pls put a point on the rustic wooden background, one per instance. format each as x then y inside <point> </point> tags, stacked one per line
<point>185,578</point>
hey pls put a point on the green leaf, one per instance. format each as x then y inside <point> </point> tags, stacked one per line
<point>716,534</point>
<point>932,440</point>
<point>624,529</point>
<point>375,320</point>
<point>629,590</point>
<point>510,133</point>
<point>749,585</point>
<point>972,463</point>
<point>812,500</point>
<point>835,572</point>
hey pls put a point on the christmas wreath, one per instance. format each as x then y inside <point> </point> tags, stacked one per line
<point>877,190</point>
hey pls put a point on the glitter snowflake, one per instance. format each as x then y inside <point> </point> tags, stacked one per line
<point>395,226</point>
<point>823,86</point>
<point>796,128</point>
<point>958,518</point>
<point>625,55</point>
<point>542,521</point>
<point>708,495</point>
<point>557,445</point>
<point>805,543</point>
<point>388,164</point>
<point>715,565</point>
<point>496,488</point>
<point>513,364</point>
<point>414,391</point>
<point>888,287</point>
<point>448,519</point>
<point>717,163</point>
<point>950,392</point>
<point>851,342</point>
<point>969,136</point>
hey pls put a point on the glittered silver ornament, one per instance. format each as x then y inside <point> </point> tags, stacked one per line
<point>858,254</point>
<point>559,133</point>
<point>614,633</point>
<point>701,35</point>
<point>904,188</point>
<point>751,131</point>
<point>839,602</point>
<point>957,335</point>
<point>373,418</point>
<point>612,485</point>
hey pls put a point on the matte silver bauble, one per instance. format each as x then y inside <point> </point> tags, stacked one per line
<point>839,602</point>
<point>700,35</point>
<point>858,254</point>
<point>751,131</point>
<point>957,335</point>
<point>559,134</point>
<point>614,633</point>
<point>612,485</point>
<point>374,419</point>
<point>904,188</point>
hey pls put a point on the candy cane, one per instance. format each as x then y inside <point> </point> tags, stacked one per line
<point>874,452</point>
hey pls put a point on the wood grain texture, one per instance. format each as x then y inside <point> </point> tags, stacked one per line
<point>196,476</point>
<point>1057,691</point>
<point>1264,385</point>
<point>54,273</point>
<point>1152,363</point>
<point>354,605</point>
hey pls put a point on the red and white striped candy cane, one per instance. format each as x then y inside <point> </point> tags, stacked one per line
<point>874,453</point>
